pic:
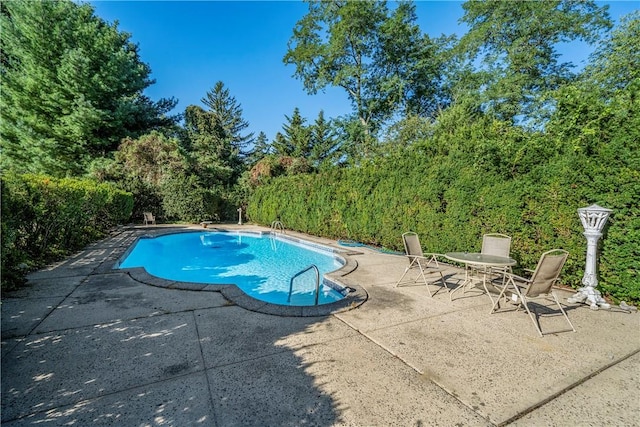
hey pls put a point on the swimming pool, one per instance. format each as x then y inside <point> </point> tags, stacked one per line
<point>260,265</point>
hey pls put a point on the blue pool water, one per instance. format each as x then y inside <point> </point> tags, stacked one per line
<point>261,266</point>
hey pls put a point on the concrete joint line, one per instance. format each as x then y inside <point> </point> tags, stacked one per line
<point>54,308</point>
<point>204,368</point>
<point>165,313</point>
<point>568,388</point>
<point>415,368</point>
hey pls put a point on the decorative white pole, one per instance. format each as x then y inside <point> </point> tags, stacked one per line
<point>593,220</point>
<point>240,216</point>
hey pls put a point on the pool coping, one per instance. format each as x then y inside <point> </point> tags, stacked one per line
<point>355,297</point>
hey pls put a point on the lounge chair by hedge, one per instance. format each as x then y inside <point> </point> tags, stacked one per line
<point>149,218</point>
<point>539,285</point>
<point>426,263</point>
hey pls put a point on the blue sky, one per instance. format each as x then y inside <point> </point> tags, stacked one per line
<point>190,45</point>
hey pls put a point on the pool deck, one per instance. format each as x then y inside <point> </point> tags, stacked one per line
<point>84,344</point>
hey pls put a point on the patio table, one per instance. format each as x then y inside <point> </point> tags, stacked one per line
<point>482,262</point>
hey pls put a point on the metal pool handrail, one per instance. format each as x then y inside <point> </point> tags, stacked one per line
<point>277,224</point>
<point>312,266</point>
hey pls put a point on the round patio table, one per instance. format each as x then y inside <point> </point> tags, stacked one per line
<point>484,261</point>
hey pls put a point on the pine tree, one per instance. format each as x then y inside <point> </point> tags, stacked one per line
<point>324,144</point>
<point>214,137</point>
<point>71,88</point>
<point>281,145</point>
<point>296,134</point>
<point>261,148</point>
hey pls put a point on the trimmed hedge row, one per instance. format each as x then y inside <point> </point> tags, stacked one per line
<point>45,218</point>
<point>451,202</point>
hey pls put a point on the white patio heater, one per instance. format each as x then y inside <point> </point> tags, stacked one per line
<point>240,216</point>
<point>593,220</point>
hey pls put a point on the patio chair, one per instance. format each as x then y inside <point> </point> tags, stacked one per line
<point>149,218</point>
<point>499,245</point>
<point>496,244</point>
<point>539,285</point>
<point>427,263</point>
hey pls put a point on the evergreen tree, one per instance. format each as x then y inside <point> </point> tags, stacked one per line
<point>261,148</point>
<point>281,145</point>
<point>214,137</point>
<point>71,88</point>
<point>296,134</point>
<point>324,144</point>
<point>227,114</point>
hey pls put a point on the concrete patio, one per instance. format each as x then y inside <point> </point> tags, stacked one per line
<point>84,344</point>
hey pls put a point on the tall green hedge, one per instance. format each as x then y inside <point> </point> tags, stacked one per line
<point>451,197</point>
<point>44,218</point>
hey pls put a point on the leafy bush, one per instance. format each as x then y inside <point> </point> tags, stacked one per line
<point>184,199</point>
<point>44,218</point>
<point>146,198</point>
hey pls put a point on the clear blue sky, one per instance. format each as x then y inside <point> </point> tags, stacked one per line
<point>192,45</point>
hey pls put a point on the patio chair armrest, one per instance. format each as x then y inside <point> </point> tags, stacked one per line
<point>431,254</point>
<point>515,277</point>
<point>428,258</point>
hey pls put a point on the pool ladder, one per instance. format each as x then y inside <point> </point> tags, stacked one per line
<point>311,267</point>
<point>275,225</point>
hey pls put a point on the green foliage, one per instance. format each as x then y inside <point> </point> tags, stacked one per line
<point>146,198</point>
<point>597,127</point>
<point>316,145</point>
<point>325,147</point>
<point>517,46</point>
<point>44,218</point>
<point>214,141</point>
<point>295,139</point>
<point>184,199</point>
<point>261,148</point>
<point>140,166</point>
<point>378,56</point>
<point>72,88</point>
<point>150,158</point>
<point>312,146</point>
<point>214,145</point>
<point>273,165</point>
<point>191,177</point>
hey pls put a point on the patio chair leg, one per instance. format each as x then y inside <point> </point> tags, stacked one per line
<point>502,293</point>
<point>553,294</point>
<point>424,279</point>
<point>404,274</point>
<point>534,320</point>
<point>406,270</point>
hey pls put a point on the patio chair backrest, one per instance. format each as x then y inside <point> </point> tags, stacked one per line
<point>412,245</point>
<point>547,272</point>
<point>496,244</point>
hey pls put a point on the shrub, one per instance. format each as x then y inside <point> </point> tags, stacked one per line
<point>452,200</point>
<point>44,218</point>
<point>184,199</point>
